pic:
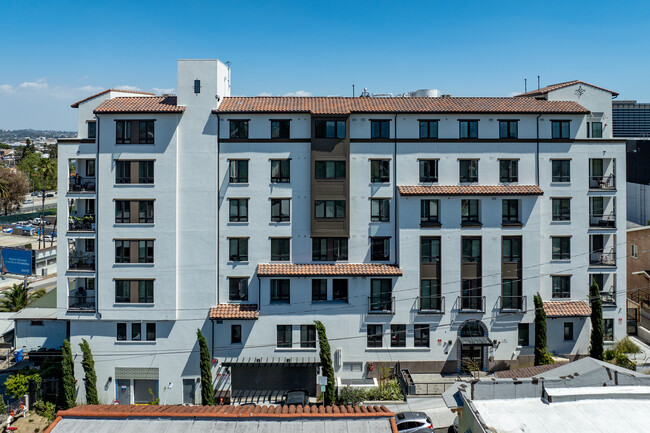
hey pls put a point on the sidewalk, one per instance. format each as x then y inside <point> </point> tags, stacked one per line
<point>642,359</point>
<point>8,282</point>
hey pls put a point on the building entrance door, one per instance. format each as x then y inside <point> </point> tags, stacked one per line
<point>123,391</point>
<point>471,357</point>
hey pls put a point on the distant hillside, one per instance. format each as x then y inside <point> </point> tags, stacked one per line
<point>9,136</point>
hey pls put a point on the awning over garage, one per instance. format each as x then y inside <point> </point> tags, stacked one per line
<point>475,341</point>
<point>293,361</point>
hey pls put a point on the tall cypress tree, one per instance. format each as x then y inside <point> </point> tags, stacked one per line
<point>326,362</point>
<point>207,392</point>
<point>597,332</point>
<point>541,353</point>
<point>90,378</point>
<point>67,369</point>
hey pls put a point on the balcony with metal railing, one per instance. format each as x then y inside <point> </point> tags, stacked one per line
<point>82,303</point>
<point>471,304</point>
<point>78,183</point>
<point>85,223</point>
<point>512,303</point>
<point>602,173</point>
<point>602,220</point>
<point>381,305</point>
<point>602,258</point>
<point>81,261</point>
<point>431,304</point>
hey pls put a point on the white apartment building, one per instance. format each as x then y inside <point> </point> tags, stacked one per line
<point>416,229</point>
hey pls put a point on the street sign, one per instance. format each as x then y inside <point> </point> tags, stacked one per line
<point>321,380</point>
<point>322,388</point>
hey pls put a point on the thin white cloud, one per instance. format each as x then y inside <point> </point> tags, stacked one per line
<point>89,89</point>
<point>265,94</point>
<point>298,93</point>
<point>511,94</point>
<point>137,89</point>
<point>162,91</point>
<point>37,85</point>
<point>7,88</point>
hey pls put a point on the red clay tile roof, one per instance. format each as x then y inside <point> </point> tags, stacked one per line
<point>134,104</point>
<point>244,411</point>
<point>361,269</point>
<point>567,308</point>
<point>234,311</point>
<point>552,87</point>
<point>341,105</point>
<point>76,104</point>
<point>520,373</point>
<point>470,190</point>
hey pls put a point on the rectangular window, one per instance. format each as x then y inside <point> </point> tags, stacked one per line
<point>151,332</point>
<point>90,167</point>
<point>568,331</point>
<point>468,170</point>
<point>596,130</point>
<point>471,250</point>
<point>428,129</point>
<point>136,331</point>
<point>92,129</point>
<point>239,129</point>
<point>429,211</point>
<point>379,170</point>
<point>375,334</point>
<point>561,170</point>
<point>235,334</point>
<point>123,132</point>
<point>561,247</point>
<point>510,211</point>
<point>340,290</point>
<point>146,171</point>
<point>121,332</point>
<point>379,248</point>
<point>560,128</point>
<point>380,129</point>
<point>238,249</point>
<point>145,211</point>
<point>146,129</point>
<point>523,331</point>
<point>428,170</point>
<point>561,286</point>
<point>280,128</point>
<point>561,209</point>
<point>329,169</point>
<point>280,209</point>
<point>238,289</point>
<point>280,291</point>
<point>307,336</point>
<point>145,251</point>
<point>145,291</point>
<point>352,367</point>
<point>511,294</point>
<point>284,336</point>
<point>122,211</point>
<point>197,86</point>
<point>421,335</point>
<point>238,210</point>
<point>429,250</point>
<point>608,329</point>
<point>122,291</point>
<point>329,128</point>
<point>635,252</point>
<point>379,209</point>
<point>280,170</point>
<point>430,298</point>
<point>470,211</point>
<point>122,251</point>
<point>329,249</point>
<point>329,208</point>
<point>397,335</point>
<point>122,171</point>
<point>280,249</point>
<point>508,170</point>
<point>468,128</point>
<point>511,249</point>
<point>381,295</point>
<point>238,170</point>
<point>318,289</point>
<point>508,128</point>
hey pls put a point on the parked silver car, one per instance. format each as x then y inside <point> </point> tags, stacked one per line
<point>413,422</point>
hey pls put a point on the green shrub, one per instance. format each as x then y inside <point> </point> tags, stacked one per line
<point>351,396</point>
<point>609,354</point>
<point>17,385</point>
<point>388,390</point>
<point>45,409</point>
<point>154,400</point>
<point>626,346</point>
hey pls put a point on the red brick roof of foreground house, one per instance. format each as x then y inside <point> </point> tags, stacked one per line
<point>567,308</point>
<point>360,269</point>
<point>470,190</point>
<point>520,373</point>
<point>135,104</point>
<point>347,105</point>
<point>235,311</point>
<point>76,104</point>
<point>552,87</point>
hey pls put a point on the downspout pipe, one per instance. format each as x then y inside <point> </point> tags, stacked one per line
<point>395,194</point>
<point>218,204</point>
<point>537,152</point>
<point>97,135</point>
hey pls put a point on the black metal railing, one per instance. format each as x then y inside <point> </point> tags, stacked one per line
<point>81,184</point>
<point>602,220</point>
<point>82,261</point>
<point>381,305</point>
<point>431,304</point>
<point>601,258</point>
<point>82,303</point>
<point>512,303</point>
<point>471,304</point>
<point>608,297</point>
<point>83,224</point>
<point>603,182</point>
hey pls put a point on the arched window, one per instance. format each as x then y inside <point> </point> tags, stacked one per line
<point>472,329</point>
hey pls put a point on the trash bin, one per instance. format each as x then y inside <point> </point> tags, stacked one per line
<point>18,355</point>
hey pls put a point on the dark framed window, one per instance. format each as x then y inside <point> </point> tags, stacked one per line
<point>429,210</point>
<point>510,211</point>
<point>561,170</point>
<point>561,286</point>
<point>122,291</point>
<point>568,331</point>
<point>523,334</point>
<point>238,289</point>
<point>122,171</point>
<point>375,334</point>
<point>319,289</point>
<point>468,170</point>
<point>508,129</point>
<point>145,251</point>
<point>329,208</point>
<point>146,131</point>
<point>136,331</point>
<point>122,251</point>
<point>280,171</point>
<point>428,170</point>
<point>235,334</point>
<point>145,291</point>
<point>238,170</point>
<point>471,294</point>
<point>280,249</point>
<point>329,249</point>
<point>429,249</point>
<point>608,329</point>
<point>121,332</point>
<point>511,294</point>
<point>379,170</point>
<point>92,129</point>
<point>239,129</point>
<point>329,128</point>
<point>280,128</point>
<point>122,131</point>
<point>469,211</point>
<point>379,248</point>
<point>197,86</point>
<point>379,209</point>
<point>594,130</point>
<point>381,295</point>
<point>430,298</point>
<point>471,250</point>
<point>146,171</point>
<point>560,128</point>
<point>329,169</point>
<point>511,249</point>
<point>561,247</point>
<point>151,332</point>
<point>122,211</point>
<point>238,249</point>
<point>380,129</point>
<point>421,335</point>
<point>280,210</point>
<point>340,289</point>
<point>428,129</point>
<point>561,209</point>
<point>145,211</point>
<point>508,170</point>
<point>307,336</point>
<point>238,210</point>
<point>280,291</point>
<point>284,339</point>
<point>397,335</point>
<point>90,167</point>
<point>468,128</point>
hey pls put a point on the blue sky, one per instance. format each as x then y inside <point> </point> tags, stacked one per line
<point>56,52</point>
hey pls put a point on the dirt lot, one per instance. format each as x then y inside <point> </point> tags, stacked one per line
<point>31,424</point>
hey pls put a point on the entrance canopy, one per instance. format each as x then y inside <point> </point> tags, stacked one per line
<point>294,361</point>
<point>475,341</point>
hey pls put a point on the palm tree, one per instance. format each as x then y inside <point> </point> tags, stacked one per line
<point>18,297</point>
<point>46,171</point>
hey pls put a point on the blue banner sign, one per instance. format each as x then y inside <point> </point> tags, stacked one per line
<point>16,261</point>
